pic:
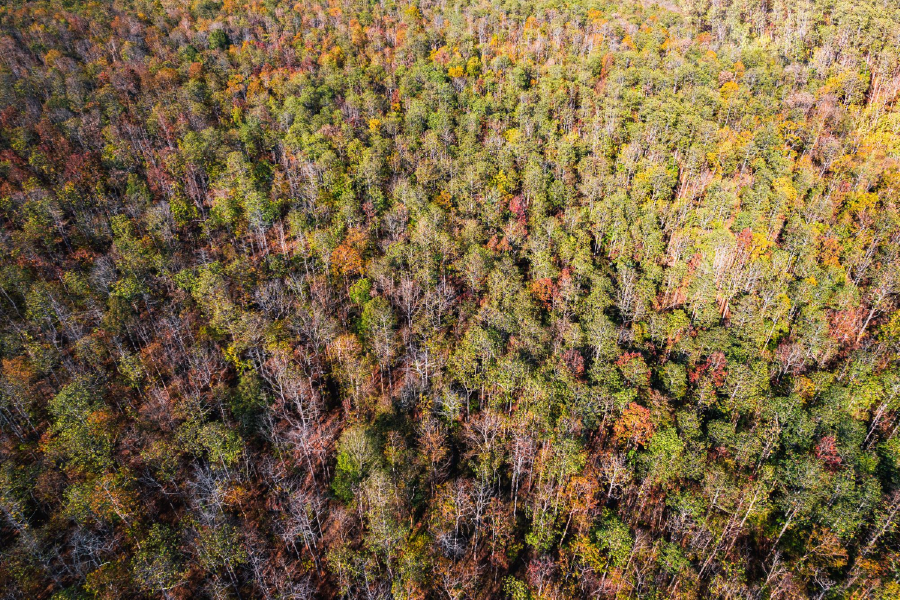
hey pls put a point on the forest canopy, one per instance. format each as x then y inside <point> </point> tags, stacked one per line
<point>450,299</point>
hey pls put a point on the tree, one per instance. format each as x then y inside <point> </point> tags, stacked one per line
<point>158,563</point>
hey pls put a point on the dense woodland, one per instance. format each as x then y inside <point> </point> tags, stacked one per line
<point>450,299</point>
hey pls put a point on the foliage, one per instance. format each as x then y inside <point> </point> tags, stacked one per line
<point>463,299</point>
